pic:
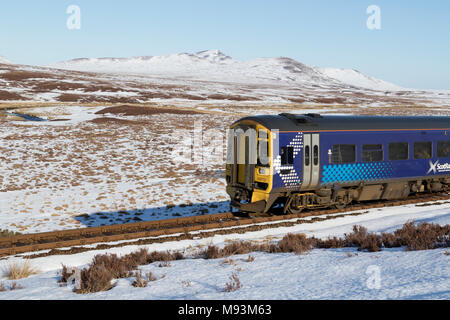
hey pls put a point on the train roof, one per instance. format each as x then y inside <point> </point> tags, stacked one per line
<point>313,122</point>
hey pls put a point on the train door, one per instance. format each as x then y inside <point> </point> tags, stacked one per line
<point>311,161</point>
<point>244,162</point>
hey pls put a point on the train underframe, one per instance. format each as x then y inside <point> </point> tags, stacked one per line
<point>338,196</point>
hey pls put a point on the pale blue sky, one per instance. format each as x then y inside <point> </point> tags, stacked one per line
<point>412,48</point>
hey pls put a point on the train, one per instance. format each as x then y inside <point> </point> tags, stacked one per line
<point>295,162</point>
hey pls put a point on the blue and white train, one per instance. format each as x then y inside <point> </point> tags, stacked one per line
<point>308,161</point>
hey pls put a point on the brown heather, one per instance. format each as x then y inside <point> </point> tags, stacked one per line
<point>103,269</point>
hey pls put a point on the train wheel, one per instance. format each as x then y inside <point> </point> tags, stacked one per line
<point>340,206</point>
<point>291,208</point>
<point>294,210</point>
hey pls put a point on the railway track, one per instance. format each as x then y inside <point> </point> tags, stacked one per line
<point>183,227</point>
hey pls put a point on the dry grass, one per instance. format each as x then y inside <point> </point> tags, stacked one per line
<point>140,281</point>
<point>186,283</point>
<point>250,259</point>
<point>234,284</point>
<point>19,270</point>
<point>7,233</point>
<point>14,286</point>
<point>229,261</point>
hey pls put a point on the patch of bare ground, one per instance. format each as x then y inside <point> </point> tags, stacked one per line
<point>18,75</point>
<point>70,97</point>
<point>40,87</point>
<point>336,100</point>
<point>10,96</point>
<point>107,120</point>
<point>129,110</point>
<point>230,97</point>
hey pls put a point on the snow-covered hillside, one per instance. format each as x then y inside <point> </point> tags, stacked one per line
<point>213,65</point>
<point>3,60</point>
<point>357,79</point>
<point>207,77</point>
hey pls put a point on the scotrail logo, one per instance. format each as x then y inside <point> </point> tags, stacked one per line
<point>438,168</point>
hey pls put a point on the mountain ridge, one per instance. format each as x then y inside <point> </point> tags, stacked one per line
<point>214,65</point>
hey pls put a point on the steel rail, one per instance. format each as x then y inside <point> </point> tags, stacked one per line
<point>86,236</point>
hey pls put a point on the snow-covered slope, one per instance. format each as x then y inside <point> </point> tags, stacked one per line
<point>213,65</point>
<point>3,60</point>
<point>357,79</point>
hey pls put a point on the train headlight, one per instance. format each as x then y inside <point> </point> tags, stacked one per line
<point>263,171</point>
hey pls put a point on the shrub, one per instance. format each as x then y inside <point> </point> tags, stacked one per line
<point>330,243</point>
<point>297,243</point>
<point>212,252</point>
<point>104,268</point>
<point>363,239</point>
<point>423,236</point>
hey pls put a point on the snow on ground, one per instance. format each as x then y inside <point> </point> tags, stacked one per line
<point>82,169</point>
<point>80,173</point>
<point>320,274</point>
<point>92,170</point>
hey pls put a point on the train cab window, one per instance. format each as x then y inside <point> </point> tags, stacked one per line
<point>443,149</point>
<point>398,151</point>
<point>344,153</point>
<point>372,152</point>
<point>263,148</point>
<point>287,156</point>
<point>423,150</point>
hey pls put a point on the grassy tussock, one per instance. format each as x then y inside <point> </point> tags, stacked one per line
<point>12,287</point>
<point>19,270</point>
<point>7,233</point>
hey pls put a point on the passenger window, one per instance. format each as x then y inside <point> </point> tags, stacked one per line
<point>443,149</point>
<point>372,152</point>
<point>398,151</point>
<point>344,153</point>
<point>316,155</point>
<point>423,150</point>
<point>307,156</point>
<point>287,156</point>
